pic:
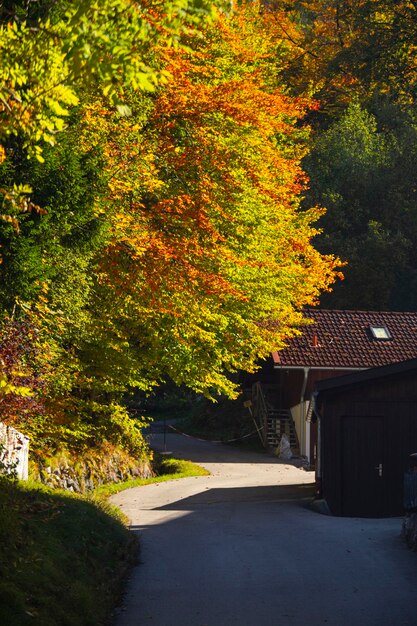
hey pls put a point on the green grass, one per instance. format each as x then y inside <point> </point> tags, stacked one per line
<point>167,468</point>
<point>64,557</point>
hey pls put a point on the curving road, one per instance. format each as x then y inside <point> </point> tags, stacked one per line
<point>242,547</point>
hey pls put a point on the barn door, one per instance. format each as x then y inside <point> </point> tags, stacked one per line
<point>362,466</point>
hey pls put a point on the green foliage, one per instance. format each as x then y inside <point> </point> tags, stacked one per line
<point>57,245</point>
<point>346,169</point>
<point>45,62</point>
<point>86,425</point>
<point>358,59</point>
<point>362,169</point>
<point>113,423</point>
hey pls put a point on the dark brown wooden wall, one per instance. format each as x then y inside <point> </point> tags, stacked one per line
<point>394,402</point>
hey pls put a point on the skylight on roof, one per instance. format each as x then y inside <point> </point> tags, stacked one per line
<point>380,332</point>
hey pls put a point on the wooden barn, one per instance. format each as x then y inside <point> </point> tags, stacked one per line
<point>335,344</point>
<point>367,426</point>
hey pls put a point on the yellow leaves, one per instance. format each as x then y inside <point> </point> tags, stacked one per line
<point>11,220</point>
<point>34,98</point>
<point>6,387</point>
<point>119,188</point>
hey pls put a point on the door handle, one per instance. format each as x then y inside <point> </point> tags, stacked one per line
<point>379,468</point>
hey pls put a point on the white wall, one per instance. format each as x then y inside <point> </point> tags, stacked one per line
<point>302,427</point>
<point>16,450</point>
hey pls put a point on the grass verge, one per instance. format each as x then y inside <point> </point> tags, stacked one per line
<point>166,468</point>
<point>64,557</point>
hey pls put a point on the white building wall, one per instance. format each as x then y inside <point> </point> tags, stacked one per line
<point>302,427</point>
<point>14,451</point>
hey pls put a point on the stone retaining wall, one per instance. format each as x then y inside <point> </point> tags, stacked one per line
<point>85,474</point>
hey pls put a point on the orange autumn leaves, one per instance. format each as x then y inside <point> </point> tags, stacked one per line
<point>206,241</point>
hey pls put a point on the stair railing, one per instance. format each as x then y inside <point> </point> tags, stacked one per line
<point>260,410</point>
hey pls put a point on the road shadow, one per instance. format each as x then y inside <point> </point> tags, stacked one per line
<point>264,494</point>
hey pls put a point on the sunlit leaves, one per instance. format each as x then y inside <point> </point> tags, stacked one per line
<point>191,259</point>
<point>110,45</point>
<point>208,244</point>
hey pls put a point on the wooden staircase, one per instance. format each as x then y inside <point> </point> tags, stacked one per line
<point>278,423</point>
<point>272,421</point>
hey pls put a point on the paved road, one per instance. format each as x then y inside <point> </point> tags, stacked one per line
<point>242,547</point>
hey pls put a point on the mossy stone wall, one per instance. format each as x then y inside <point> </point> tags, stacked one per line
<point>85,472</point>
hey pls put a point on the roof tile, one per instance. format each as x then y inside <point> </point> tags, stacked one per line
<point>344,340</point>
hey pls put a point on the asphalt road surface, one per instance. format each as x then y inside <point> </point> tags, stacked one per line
<point>243,547</point>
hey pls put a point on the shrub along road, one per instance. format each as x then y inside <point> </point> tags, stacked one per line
<point>242,547</point>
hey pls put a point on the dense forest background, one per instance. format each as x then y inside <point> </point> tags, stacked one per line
<point>178,180</point>
<point>361,59</point>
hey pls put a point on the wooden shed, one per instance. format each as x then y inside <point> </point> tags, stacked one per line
<point>367,425</point>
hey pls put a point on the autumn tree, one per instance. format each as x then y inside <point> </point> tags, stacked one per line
<point>171,243</point>
<point>208,242</point>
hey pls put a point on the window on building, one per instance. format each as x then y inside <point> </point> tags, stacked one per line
<point>380,332</point>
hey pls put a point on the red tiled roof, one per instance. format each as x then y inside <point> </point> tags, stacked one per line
<point>343,340</point>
